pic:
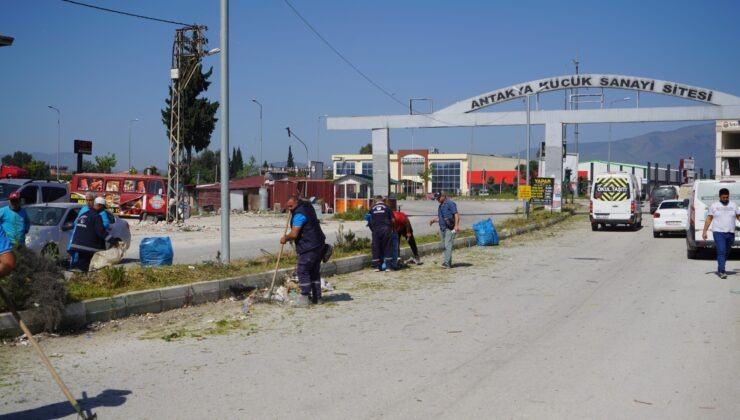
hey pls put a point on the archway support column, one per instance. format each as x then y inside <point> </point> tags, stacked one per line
<point>381,161</point>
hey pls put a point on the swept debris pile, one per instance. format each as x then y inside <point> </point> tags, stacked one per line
<point>37,282</point>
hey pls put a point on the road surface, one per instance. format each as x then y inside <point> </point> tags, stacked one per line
<point>564,323</point>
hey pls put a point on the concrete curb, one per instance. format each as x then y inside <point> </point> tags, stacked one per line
<point>79,314</point>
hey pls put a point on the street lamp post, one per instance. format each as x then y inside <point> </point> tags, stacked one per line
<point>609,145</point>
<point>318,135</point>
<point>59,136</point>
<point>260,105</point>
<point>129,142</point>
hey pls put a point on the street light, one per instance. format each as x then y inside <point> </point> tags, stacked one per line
<point>609,146</point>
<point>129,142</point>
<point>318,134</point>
<point>59,136</point>
<point>260,105</point>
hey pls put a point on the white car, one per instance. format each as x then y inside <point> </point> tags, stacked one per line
<point>670,216</point>
<point>52,224</point>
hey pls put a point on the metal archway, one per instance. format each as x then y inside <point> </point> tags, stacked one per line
<point>714,105</point>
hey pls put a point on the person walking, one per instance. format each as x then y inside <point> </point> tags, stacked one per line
<point>381,225</point>
<point>449,224</point>
<point>722,216</point>
<point>89,204</point>
<point>305,232</point>
<point>14,220</point>
<point>90,236</point>
<point>403,228</point>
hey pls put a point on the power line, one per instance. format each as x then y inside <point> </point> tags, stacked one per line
<point>127,14</point>
<point>349,63</point>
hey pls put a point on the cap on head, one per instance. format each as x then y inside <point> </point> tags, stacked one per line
<point>100,200</point>
<point>438,195</point>
<point>14,196</point>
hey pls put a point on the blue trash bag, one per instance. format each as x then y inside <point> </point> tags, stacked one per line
<point>485,233</point>
<point>156,251</point>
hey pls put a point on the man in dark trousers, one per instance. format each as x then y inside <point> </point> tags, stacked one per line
<point>449,225</point>
<point>381,223</point>
<point>89,236</point>
<point>403,228</point>
<point>309,239</point>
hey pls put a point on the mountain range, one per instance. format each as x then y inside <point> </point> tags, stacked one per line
<point>662,147</point>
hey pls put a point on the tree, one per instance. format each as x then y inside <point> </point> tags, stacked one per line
<point>290,163</point>
<point>236,164</point>
<point>20,159</point>
<point>368,149</point>
<point>265,165</point>
<point>106,163</point>
<point>198,115</point>
<point>250,169</point>
<point>203,167</point>
<point>88,166</point>
<point>426,175</point>
<point>37,169</point>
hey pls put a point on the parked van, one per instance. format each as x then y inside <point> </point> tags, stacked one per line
<point>615,200</point>
<point>33,191</point>
<point>704,193</point>
<point>660,193</point>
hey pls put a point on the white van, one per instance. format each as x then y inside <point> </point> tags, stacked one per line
<point>615,200</point>
<point>703,194</point>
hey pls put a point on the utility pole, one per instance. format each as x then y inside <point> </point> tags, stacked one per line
<point>188,49</point>
<point>575,127</point>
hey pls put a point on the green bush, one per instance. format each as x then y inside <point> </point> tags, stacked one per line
<point>352,214</point>
<point>348,242</point>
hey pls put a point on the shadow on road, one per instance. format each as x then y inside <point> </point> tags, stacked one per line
<point>107,398</point>
<point>338,297</point>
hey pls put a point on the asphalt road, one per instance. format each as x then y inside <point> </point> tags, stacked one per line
<point>564,323</point>
<point>247,242</point>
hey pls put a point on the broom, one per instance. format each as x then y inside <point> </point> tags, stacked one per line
<point>277,263</point>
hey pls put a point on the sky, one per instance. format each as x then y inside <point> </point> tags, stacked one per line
<point>102,70</point>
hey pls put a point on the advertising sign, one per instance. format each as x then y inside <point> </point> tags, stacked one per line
<point>524,192</point>
<point>542,191</point>
<point>83,147</point>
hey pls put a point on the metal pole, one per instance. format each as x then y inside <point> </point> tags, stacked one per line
<point>225,205</point>
<point>528,137</point>
<point>129,142</point>
<point>318,135</point>
<point>59,136</point>
<point>260,105</point>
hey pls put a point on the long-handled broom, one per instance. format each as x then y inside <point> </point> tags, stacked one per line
<point>277,262</point>
<point>9,303</point>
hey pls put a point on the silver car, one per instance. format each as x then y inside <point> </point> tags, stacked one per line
<point>52,224</point>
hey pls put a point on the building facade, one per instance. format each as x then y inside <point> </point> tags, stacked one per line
<point>421,171</point>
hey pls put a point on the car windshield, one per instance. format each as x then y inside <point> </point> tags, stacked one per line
<point>672,205</point>
<point>6,189</point>
<point>708,193</point>
<point>45,216</point>
<point>664,193</point>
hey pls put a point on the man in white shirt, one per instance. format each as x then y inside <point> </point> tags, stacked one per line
<point>722,216</point>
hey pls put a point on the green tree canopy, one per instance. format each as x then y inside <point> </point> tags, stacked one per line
<point>198,115</point>
<point>290,163</point>
<point>368,149</point>
<point>250,169</point>
<point>20,159</point>
<point>105,164</point>
<point>203,167</point>
<point>236,164</point>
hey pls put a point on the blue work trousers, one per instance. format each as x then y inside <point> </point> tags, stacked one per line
<point>723,241</point>
<point>309,273</point>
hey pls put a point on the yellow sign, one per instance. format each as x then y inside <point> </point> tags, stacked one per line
<point>524,192</point>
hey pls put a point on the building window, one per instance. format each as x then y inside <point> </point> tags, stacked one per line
<point>344,168</point>
<point>411,165</point>
<point>446,177</point>
<point>367,168</point>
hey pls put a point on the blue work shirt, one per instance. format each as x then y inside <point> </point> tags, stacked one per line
<point>15,224</point>
<point>5,245</point>
<point>446,213</point>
